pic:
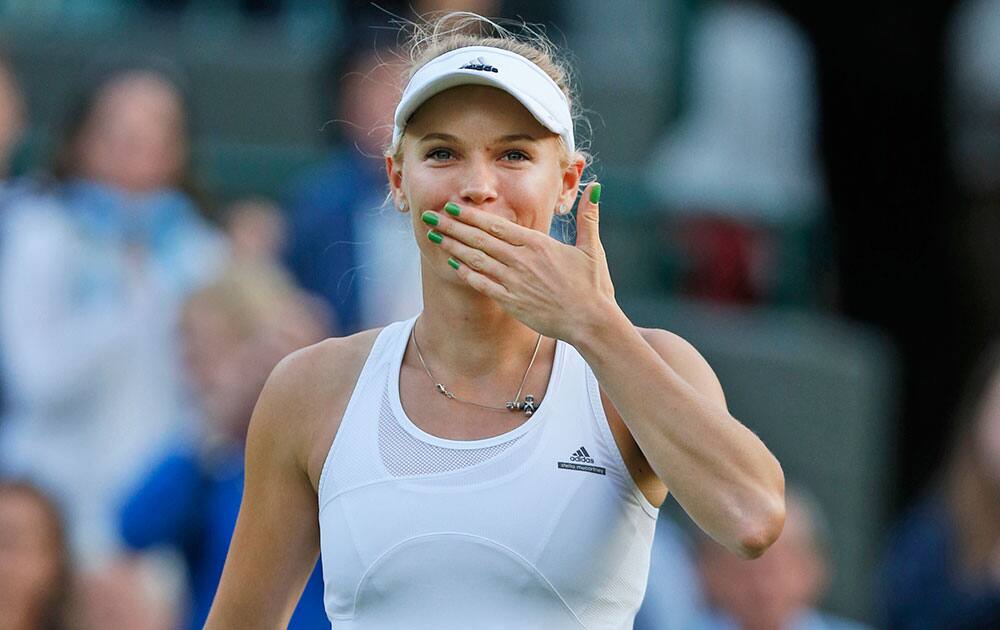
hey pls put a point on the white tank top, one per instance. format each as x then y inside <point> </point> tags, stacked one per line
<point>541,527</point>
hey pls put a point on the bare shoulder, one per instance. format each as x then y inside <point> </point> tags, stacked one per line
<point>685,359</point>
<point>305,396</point>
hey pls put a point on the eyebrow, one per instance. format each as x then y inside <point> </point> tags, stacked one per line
<point>450,138</point>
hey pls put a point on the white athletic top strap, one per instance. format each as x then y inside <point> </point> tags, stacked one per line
<point>540,527</point>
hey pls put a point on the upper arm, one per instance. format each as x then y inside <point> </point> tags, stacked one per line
<point>690,366</point>
<point>276,541</point>
<point>686,361</point>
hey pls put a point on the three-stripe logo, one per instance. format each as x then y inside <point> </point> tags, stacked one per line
<point>581,460</point>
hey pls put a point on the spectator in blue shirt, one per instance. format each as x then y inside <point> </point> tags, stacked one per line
<point>345,244</point>
<point>942,569</point>
<point>94,266</point>
<point>234,332</point>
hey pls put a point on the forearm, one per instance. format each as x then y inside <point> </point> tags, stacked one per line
<point>719,471</point>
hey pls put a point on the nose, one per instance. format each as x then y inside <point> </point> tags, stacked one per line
<point>479,183</point>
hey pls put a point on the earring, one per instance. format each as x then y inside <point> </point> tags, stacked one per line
<point>402,206</point>
<point>562,209</point>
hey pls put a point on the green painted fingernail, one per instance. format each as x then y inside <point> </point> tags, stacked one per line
<point>454,263</point>
<point>434,236</point>
<point>595,193</point>
<point>452,209</point>
<point>430,218</point>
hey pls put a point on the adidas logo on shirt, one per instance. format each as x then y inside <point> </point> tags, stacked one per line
<point>580,460</point>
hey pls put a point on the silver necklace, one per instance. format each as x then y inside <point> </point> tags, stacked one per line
<point>528,405</point>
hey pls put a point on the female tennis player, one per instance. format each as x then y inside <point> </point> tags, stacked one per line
<point>497,461</point>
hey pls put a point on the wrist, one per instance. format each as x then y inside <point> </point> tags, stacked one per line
<point>596,322</point>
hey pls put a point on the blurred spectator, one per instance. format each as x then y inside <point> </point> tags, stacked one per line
<point>132,593</point>
<point>942,569</point>
<point>11,120</point>
<point>251,8</point>
<point>92,275</point>
<point>779,590</point>
<point>256,229</point>
<point>345,243</point>
<point>235,331</point>
<point>258,234</point>
<point>974,54</point>
<point>673,599</point>
<point>974,143</point>
<point>11,126</point>
<point>35,575</point>
<point>738,172</point>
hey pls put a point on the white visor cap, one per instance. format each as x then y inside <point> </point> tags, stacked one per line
<point>485,65</point>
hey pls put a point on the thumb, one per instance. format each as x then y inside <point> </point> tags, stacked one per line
<point>588,218</point>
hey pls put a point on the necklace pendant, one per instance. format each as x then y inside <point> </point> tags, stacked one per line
<point>441,390</point>
<point>528,405</point>
<point>511,405</point>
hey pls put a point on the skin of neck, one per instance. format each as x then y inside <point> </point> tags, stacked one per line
<point>464,335</point>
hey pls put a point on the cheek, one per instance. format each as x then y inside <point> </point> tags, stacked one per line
<point>429,189</point>
<point>533,198</point>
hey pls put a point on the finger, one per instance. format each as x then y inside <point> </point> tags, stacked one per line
<point>588,218</point>
<point>477,259</point>
<point>470,235</point>
<point>481,283</point>
<point>503,229</point>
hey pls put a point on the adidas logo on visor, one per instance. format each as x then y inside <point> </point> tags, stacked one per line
<point>479,64</point>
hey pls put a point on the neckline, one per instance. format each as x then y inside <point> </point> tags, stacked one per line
<point>404,420</point>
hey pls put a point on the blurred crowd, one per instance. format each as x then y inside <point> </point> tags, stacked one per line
<point>139,320</point>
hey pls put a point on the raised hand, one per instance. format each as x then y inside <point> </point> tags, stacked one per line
<point>556,289</point>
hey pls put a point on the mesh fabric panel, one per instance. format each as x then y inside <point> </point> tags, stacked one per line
<point>618,593</point>
<point>405,455</point>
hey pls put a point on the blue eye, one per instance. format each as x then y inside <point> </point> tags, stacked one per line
<point>439,154</point>
<point>516,156</point>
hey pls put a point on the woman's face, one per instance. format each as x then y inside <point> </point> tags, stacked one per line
<point>479,147</point>
<point>211,348</point>
<point>135,137</point>
<point>29,553</point>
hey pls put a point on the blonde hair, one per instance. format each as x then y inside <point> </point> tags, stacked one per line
<point>436,35</point>
<point>252,297</point>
